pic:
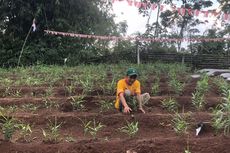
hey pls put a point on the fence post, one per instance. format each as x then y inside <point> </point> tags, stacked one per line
<point>182,61</point>
<point>138,55</point>
<point>138,52</point>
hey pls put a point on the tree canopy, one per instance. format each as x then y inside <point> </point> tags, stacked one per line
<point>79,16</point>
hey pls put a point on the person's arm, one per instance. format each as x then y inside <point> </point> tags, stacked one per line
<point>127,109</point>
<point>120,92</point>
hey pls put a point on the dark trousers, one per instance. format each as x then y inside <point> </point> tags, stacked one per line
<point>131,102</point>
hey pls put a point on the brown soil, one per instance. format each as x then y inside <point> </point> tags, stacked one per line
<point>155,135</point>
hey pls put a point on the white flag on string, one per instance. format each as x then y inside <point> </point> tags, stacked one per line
<point>34,26</point>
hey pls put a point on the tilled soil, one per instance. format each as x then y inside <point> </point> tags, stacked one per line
<point>155,134</point>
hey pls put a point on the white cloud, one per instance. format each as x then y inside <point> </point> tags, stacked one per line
<point>136,22</point>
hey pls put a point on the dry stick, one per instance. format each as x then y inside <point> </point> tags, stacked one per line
<point>19,59</point>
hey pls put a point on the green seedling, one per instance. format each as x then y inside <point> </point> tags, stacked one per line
<point>92,127</point>
<point>155,87</point>
<point>222,84</point>
<point>218,122</point>
<point>8,126</point>
<point>108,87</point>
<point>180,125</point>
<point>70,89</point>
<point>78,102</point>
<point>7,92</point>
<point>202,85</point>
<point>53,132</point>
<point>49,91</point>
<point>48,103</point>
<point>87,84</point>
<point>16,93</point>
<point>25,131</point>
<point>29,107</point>
<point>70,139</point>
<point>105,105</point>
<point>170,104</point>
<point>131,129</point>
<point>176,86</point>
<point>198,100</point>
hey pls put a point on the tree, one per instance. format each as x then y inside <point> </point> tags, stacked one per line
<point>78,16</point>
<point>174,23</point>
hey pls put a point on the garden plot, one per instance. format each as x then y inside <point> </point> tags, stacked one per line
<point>56,109</point>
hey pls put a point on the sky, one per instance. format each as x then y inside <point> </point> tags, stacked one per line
<point>136,22</point>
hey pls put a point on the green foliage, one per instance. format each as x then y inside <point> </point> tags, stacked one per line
<point>198,100</point>
<point>87,83</point>
<point>70,139</point>
<point>187,151</point>
<point>78,102</point>
<point>70,89</point>
<point>222,84</point>
<point>202,85</point>
<point>105,105</point>
<point>215,48</point>
<point>48,103</point>
<point>16,19</point>
<point>8,128</point>
<point>25,131</point>
<point>49,91</point>
<point>180,125</point>
<point>218,122</point>
<point>221,118</point>
<point>175,84</point>
<point>155,87</point>
<point>10,92</point>
<point>170,104</point>
<point>29,107</point>
<point>131,129</point>
<point>53,132</point>
<point>8,125</point>
<point>92,127</point>
<point>109,87</point>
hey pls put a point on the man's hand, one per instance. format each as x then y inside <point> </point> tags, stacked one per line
<point>142,110</point>
<point>127,109</point>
